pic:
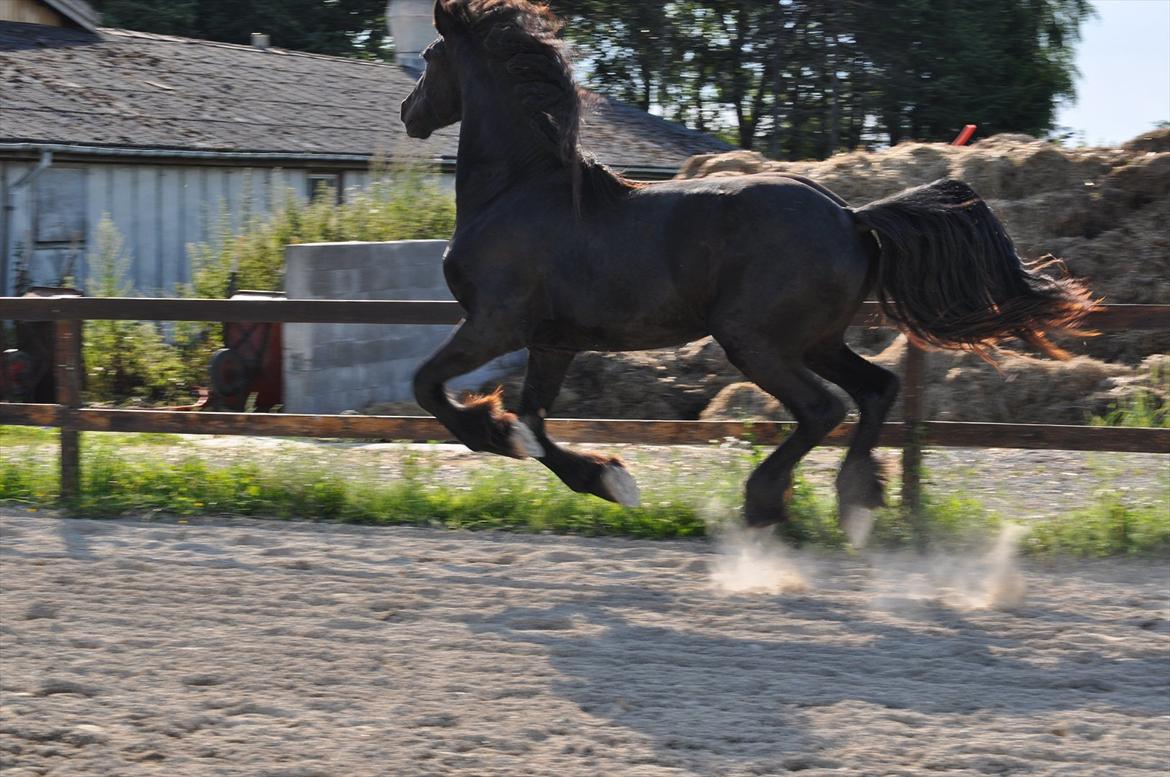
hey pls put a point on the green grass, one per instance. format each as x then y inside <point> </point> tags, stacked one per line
<point>1149,408</point>
<point>121,475</point>
<point>1108,528</point>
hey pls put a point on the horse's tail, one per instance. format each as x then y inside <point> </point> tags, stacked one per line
<point>948,274</point>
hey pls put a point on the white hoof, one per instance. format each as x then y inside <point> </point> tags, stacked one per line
<point>621,486</point>
<point>524,442</point>
<point>857,524</point>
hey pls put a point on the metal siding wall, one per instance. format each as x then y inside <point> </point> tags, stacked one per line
<point>298,181</point>
<point>356,179</point>
<point>146,248</point>
<point>8,175</point>
<point>277,183</point>
<point>170,226</point>
<point>160,210</point>
<point>100,185</point>
<point>20,221</point>
<point>234,196</point>
<point>193,220</point>
<point>121,207</point>
<point>262,187</point>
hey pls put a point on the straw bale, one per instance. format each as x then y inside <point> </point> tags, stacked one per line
<point>744,402</point>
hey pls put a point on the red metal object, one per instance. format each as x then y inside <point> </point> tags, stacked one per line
<point>249,363</point>
<point>26,371</point>
<point>964,136</point>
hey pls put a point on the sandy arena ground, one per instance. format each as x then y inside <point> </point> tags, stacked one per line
<point>296,650</point>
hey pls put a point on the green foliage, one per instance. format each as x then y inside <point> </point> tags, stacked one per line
<point>124,360</point>
<point>166,17</point>
<point>1148,408</point>
<point>404,202</point>
<point>804,79</point>
<point>1108,528</point>
<point>118,478</point>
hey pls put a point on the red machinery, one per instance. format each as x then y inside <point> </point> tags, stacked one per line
<point>26,371</point>
<point>249,362</point>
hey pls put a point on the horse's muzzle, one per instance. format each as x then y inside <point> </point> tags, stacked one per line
<point>414,128</point>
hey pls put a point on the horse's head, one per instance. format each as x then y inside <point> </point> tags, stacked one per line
<point>435,101</point>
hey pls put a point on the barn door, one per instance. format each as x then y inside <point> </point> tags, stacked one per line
<point>58,228</point>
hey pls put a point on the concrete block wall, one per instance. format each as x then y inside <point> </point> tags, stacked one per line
<point>330,368</point>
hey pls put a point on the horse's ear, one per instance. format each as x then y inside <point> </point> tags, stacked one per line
<point>445,21</point>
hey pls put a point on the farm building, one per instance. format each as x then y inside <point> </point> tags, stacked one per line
<point>169,135</point>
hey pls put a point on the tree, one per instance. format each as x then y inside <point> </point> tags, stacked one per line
<point>1001,64</point>
<point>173,17</point>
<point>343,27</point>
<point>804,78</point>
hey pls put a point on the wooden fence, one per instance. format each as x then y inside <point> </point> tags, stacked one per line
<point>912,434</point>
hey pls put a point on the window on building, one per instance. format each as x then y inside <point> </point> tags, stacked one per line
<point>321,183</point>
<point>58,227</point>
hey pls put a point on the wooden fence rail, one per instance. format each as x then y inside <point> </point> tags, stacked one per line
<point>912,434</point>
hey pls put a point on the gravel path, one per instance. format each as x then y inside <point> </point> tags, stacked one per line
<point>253,648</point>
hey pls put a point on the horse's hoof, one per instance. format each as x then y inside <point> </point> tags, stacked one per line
<point>762,516</point>
<point>524,443</point>
<point>860,484</point>
<point>619,486</point>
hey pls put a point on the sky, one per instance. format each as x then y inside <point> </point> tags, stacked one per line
<point>1124,61</point>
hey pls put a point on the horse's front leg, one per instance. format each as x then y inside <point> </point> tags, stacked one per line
<point>586,473</point>
<point>480,423</point>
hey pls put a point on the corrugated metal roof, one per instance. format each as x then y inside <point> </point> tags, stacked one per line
<point>129,89</point>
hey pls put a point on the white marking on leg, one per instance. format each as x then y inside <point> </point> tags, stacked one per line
<point>524,442</point>
<point>857,524</point>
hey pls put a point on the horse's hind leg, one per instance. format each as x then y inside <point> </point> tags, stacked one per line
<point>481,422</point>
<point>817,413</point>
<point>603,476</point>
<point>873,388</point>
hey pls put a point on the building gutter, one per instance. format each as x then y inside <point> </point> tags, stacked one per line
<point>444,163</point>
<point>9,208</point>
<point>123,152</point>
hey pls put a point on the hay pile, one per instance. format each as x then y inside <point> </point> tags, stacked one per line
<point>1105,211</point>
<point>964,388</point>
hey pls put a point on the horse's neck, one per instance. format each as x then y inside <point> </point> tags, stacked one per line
<point>497,152</point>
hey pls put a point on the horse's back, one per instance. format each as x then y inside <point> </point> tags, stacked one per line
<point>656,264</point>
<point>778,249</point>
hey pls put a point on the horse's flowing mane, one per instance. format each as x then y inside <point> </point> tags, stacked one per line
<point>521,43</point>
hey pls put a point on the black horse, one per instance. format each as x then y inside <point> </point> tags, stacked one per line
<point>556,253</point>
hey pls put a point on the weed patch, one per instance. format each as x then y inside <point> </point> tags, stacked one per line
<point>119,479</point>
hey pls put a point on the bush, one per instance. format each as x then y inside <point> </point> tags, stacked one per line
<point>131,361</point>
<point>1149,407</point>
<point>125,360</point>
<point>403,202</point>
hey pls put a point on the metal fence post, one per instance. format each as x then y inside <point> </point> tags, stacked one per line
<point>912,374</point>
<point>67,376</point>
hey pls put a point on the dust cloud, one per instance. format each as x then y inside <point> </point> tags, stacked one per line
<point>754,561</point>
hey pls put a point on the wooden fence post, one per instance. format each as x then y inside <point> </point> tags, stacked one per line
<point>67,376</point>
<point>912,374</point>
